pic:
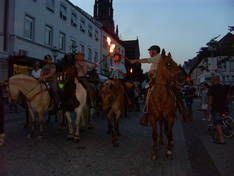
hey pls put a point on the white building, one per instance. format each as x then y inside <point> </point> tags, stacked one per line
<point>34,28</point>
<point>221,65</point>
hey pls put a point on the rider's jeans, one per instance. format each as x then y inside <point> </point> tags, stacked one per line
<point>216,118</point>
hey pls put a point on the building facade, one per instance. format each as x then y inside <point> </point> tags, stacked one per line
<point>35,28</point>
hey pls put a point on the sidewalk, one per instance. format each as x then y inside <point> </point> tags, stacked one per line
<point>206,157</point>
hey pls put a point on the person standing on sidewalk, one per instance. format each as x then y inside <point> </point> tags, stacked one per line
<point>217,103</point>
<point>204,101</point>
<point>1,115</point>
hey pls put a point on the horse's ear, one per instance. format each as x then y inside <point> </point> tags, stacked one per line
<point>169,55</point>
<point>163,52</point>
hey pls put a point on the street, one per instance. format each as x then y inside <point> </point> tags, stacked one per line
<point>194,152</point>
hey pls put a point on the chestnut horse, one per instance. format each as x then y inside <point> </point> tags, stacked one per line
<point>113,102</point>
<point>162,103</point>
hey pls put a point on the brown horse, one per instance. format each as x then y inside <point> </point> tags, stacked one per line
<point>112,98</point>
<point>162,101</point>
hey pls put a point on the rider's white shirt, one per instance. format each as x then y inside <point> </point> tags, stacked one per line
<point>36,74</point>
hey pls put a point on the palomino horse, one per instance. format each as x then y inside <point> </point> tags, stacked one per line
<point>162,101</point>
<point>36,94</point>
<point>113,101</point>
<point>73,97</point>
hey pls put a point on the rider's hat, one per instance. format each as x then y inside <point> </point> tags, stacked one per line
<point>48,57</point>
<point>154,48</point>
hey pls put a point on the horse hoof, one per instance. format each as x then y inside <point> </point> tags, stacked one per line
<point>76,139</point>
<point>169,155</point>
<point>154,157</point>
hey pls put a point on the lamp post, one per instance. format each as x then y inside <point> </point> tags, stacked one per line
<point>55,52</point>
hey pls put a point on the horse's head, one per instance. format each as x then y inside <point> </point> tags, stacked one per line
<point>106,94</point>
<point>168,69</point>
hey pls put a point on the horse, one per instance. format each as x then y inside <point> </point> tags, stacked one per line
<point>73,97</point>
<point>162,104</point>
<point>36,95</point>
<point>113,102</point>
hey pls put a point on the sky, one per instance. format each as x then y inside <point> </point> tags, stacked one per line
<point>181,27</point>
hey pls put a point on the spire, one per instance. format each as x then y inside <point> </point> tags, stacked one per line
<point>103,12</point>
<point>117,30</point>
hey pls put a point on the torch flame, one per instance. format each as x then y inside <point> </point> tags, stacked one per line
<point>112,48</point>
<point>108,40</point>
<point>131,70</point>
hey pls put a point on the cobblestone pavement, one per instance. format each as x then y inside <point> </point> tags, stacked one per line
<point>194,153</point>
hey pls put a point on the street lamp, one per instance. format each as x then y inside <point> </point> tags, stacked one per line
<point>55,52</point>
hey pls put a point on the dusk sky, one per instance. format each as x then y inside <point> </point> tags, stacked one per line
<point>180,26</point>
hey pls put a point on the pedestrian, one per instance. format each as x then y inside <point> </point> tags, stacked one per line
<point>154,59</point>
<point>2,115</point>
<point>189,94</point>
<point>36,72</point>
<point>217,104</point>
<point>204,101</point>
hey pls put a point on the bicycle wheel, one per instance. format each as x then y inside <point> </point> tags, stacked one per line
<point>228,127</point>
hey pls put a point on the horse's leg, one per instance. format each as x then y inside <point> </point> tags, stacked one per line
<point>155,142</point>
<point>69,125</point>
<point>170,122</point>
<point>41,123</point>
<point>79,113</point>
<point>116,123</point>
<point>161,132</point>
<point>32,123</point>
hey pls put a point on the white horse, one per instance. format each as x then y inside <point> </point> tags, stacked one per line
<point>81,95</point>
<point>36,94</point>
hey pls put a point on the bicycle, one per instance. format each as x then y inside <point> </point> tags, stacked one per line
<point>227,125</point>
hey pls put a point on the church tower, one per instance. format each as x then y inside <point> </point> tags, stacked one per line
<point>103,12</point>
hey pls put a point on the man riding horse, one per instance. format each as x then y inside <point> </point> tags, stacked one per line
<point>48,74</point>
<point>155,56</point>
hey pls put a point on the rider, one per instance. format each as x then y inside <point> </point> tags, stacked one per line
<point>36,72</point>
<point>48,74</point>
<point>118,71</point>
<point>155,56</point>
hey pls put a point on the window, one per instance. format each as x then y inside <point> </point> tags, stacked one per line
<point>232,66</point>
<point>62,39</point>
<point>96,56</point>
<point>50,4</point>
<point>90,54</point>
<point>82,49</point>
<point>48,35</point>
<point>82,25</point>
<point>63,12</point>
<point>96,35</point>
<point>74,19</point>
<point>29,27</point>
<point>73,46</point>
<point>90,30</point>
